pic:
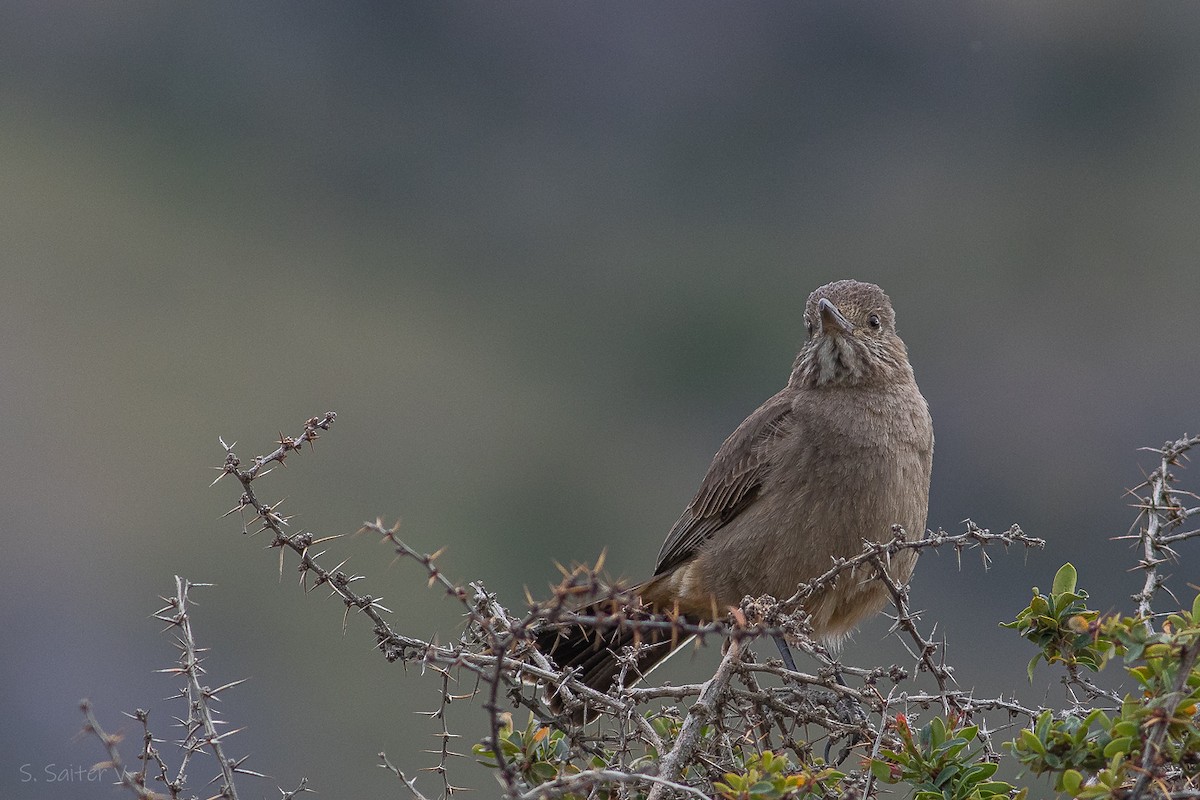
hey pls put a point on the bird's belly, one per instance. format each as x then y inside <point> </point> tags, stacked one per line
<point>793,536</point>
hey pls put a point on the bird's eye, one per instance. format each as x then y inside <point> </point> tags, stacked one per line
<point>809,326</point>
<point>874,322</point>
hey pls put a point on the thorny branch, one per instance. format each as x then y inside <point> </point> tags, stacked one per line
<point>133,781</point>
<point>906,621</point>
<point>637,751</point>
<point>409,783</point>
<point>1161,722</point>
<point>200,726</point>
<point>496,649</point>
<point>1164,508</point>
<point>873,552</point>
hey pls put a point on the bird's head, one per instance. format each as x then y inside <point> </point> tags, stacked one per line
<point>852,338</point>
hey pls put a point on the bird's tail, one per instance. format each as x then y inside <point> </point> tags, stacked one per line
<point>595,650</point>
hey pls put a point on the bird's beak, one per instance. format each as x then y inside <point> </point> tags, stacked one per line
<point>832,319</point>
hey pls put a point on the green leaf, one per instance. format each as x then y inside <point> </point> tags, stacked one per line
<point>735,782</point>
<point>1144,675</point>
<point>951,748</point>
<point>1071,781</point>
<point>999,789</point>
<point>1044,721</point>
<point>1029,741</point>
<point>980,772</point>
<point>882,770</point>
<point>946,775</point>
<point>1126,727</point>
<point>1121,745</point>
<point>937,731</point>
<point>1196,609</point>
<point>544,771</point>
<point>1065,579</point>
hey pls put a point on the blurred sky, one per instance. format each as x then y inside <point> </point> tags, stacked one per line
<point>541,258</point>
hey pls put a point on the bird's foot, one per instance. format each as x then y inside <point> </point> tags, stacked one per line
<point>851,713</point>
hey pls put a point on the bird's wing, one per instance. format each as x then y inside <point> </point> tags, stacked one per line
<point>732,482</point>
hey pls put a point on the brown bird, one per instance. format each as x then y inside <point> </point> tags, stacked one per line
<point>839,455</point>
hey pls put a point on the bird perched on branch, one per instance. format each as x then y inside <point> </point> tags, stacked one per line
<point>838,456</point>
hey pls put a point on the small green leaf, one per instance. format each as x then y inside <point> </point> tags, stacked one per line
<point>981,772</point>
<point>1065,579</point>
<point>998,789</point>
<point>1042,727</point>
<point>1029,741</point>
<point>1071,781</point>
<point>1125,727</point>
<point>1120,745</point>
<point>882,770</point>
<point>544,771</point>
<point>950,749</point>
<point>946,775</point>
<point>937,731</point>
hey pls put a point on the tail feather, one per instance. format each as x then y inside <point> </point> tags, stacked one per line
<point>594,653</point>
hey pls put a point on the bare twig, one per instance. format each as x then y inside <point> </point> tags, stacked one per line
<point>704,710</point>
<point>130,780</point>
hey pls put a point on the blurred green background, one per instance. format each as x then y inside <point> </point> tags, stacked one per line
<point>541,258</point>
